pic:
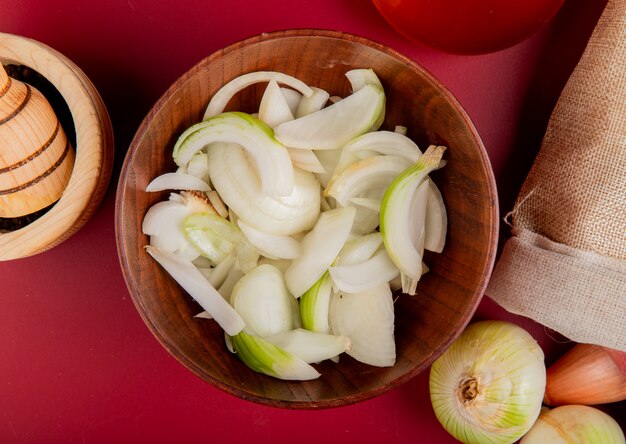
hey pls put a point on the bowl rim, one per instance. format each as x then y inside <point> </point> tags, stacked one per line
<point>94,149</point>
<point>362,396</point>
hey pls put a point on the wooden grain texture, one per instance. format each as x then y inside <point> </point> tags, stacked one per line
<point>94,149</point>
<point>36,159</point>
<point>448,295</point>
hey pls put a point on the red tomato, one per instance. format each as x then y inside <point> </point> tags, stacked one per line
<point>468,26</point>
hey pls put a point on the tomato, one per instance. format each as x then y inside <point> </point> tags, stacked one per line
<point>468,26</point>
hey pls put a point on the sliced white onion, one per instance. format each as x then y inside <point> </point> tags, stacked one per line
<point>385,142</point>
<point>314,305</point>
<point>220,272</point>
<point>177,181</point>
<point>395,220</point>
<point>436,224</point>
<point>362,77</point>
<point>334,126</point>
<point>192,281</point>
<point>264,357</point>
<point>262,300</point>
<point>306,160</point>
<point>367,319</point>
<point>281,264</point>
<point>328,159</point>
<point>202,262</point>
<point>216,203</point>
<point>164,217</point>
<point>365,220</point>
<point>417,221</point>
<point>270,157</point>
<point>371,203</point>
<point>359,249</point>
<point>417,218</point>
<point>221,98</point>
<point>239,186</point>
<point>358,178</point>
<point>360,277</point>
<point>326,204</point>
<point>165,243</point>
<point>310,346</point>
<point>271,245</point>
<point>314,102</point>
<point>401,129</point>
<point>215,237</point>
<point>163,222</point>
<point>274,108</point>
<point>319,249</point>
<point>229,283</point>
<point>292,97</point>
<point>247,255</point>
<point>198,167</point>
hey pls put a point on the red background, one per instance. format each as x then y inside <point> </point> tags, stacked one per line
<point>77,364</point>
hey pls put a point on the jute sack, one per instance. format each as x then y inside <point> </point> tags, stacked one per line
<point>565,264</point>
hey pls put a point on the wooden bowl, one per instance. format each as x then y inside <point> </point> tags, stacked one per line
<point>449,293</point>
<point>93,144</point>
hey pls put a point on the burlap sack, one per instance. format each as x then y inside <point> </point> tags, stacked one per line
<point>565,264</point>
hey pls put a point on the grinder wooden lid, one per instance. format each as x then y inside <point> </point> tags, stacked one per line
<point>36,159</point>
<point>94,148</point>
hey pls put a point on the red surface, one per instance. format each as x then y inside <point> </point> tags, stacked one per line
<point>77,364</point>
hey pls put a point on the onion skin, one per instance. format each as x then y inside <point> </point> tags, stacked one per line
<point>588,375</point>
<point>488,386</point>
<point>574,424</point>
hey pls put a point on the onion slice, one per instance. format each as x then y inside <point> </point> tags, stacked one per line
<point>371,203</point>
<point>361,77</point>
<point>261,298</point>
<point>385,142</point>
<point>194,283</point>
<point>395,220</point>
<point>221,98</point>
<point>306,160</point>
<point>270,157</point>
<point>319,249</point>
<point>264,357</point>
<point>312,103</point>
<point>274,108</point>
<point>310,346</point>
<point>177,181</point>
<point>292,97</point>
<point>214,236</point>
<point>198,167</point>
<point>436,223</point>
<point>271,245</point>
<point>164,217</point>
<point>314,304</point>
<point>334,126</point>
<point>364,175</point>
<point>367,319</point>
<point>361,277</point>
<point>220,272</point>
<point>238,184</point>
<point>359,249</point>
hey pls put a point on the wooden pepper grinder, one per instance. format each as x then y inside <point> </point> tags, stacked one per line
<point>36,158</point>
